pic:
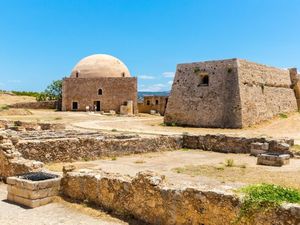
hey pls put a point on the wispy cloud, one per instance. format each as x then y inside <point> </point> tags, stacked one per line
<point>153,87</point>
<point>168,74</point>
<point>170,82</point>
<point>146,77</point>
<point>14,81</point>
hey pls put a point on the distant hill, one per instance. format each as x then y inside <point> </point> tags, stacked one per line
<point>141,94</point>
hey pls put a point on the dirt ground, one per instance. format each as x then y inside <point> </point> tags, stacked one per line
<point>59,212</point>
<point>7,99</point>
<point>198,168</point>
<point>148,124</point>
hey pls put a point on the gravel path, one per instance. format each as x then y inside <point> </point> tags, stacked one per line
<point>51,214</point>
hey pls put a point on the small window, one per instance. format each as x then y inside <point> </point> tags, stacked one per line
<point>156,102</point>
<point>148,102</point>
<point>204,80</point>
<point>77,73</point>
<point>123,74</point>
<point>100,92</point>
<point>74,105</point>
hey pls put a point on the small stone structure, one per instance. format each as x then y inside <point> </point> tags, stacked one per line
<point>34,189</point>
<point>149,198</point>
<point>231,93</point>
<point>99,83</point>
<point>153,102</point>
<point>273,159</point>
<point>259,148</point>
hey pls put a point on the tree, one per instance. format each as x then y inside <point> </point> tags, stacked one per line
<point>54,90</point>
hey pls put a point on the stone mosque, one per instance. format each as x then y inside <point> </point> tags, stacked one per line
<point>102,83</point>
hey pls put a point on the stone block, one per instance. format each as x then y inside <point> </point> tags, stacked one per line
<point>29,202</point>
<point>259,148</point>
<point>273,159</point>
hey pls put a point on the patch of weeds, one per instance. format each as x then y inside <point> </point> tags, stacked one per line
<point>4,107</point>
<point>265,197</point>
<point>229,162</point>
<point>114,130</point>
<point>185,133</point>
<point>283,116</point>
<point>57,118</point>
<point>243,166</point>
<point>114,158</point>
<point>219,168</point>
<point>184,149</point>
<point>140,161</point>
<point>196,70</point>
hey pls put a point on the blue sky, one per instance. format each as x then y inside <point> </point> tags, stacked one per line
<point>41,40</point>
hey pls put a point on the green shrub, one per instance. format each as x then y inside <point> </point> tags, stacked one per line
<point>283,116</point>
<point>265,197</point>
<point>4,107</point>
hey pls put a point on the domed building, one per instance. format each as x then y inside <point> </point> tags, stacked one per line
<point>100,83</point>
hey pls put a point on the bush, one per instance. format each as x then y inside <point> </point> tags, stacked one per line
<point>264,197</point>
<point>229,162</point>
<point>283,116</point>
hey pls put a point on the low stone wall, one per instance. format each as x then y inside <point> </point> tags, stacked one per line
<point>11,161</point>
<point>227,144</point>
<point>148,198</point>
<point>35,105</point>
<point>30,126</point>
<point>69,149</point>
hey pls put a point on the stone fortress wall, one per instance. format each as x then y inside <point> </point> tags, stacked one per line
<point>115,92</point>
<point>265,92</point>
<point>195,104</point>
<point>238,94</point>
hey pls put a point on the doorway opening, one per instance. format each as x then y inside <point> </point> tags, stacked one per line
<point>74,106</point>
<point>97,106</point>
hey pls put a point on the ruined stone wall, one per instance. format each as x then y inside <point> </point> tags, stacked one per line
<point>149,198</point>
<point>144,107</point>
<point>228,144</point>
<point>35,105</point>
<point>69,149</point>
<point>115,92</point>
<point>194,104</point>
<point>265,92</point>
<point>11,161</point>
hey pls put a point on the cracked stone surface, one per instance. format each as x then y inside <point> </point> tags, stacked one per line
<point>51,214</point>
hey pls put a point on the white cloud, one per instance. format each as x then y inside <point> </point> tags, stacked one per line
<point>170,82</point>
<point>168,74</point>
<point>154,87</point>
<point>14,81</point>
<point>146,77</point>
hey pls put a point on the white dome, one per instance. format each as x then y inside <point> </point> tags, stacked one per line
<point>100,65</point>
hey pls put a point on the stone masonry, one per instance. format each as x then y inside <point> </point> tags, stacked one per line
<point>230,93</point>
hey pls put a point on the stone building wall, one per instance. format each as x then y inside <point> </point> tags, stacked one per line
<point>265,92</point>
<point>150,199</point>
<point>215,105</point>
<point>115,92</point>
<point>239,94</point>
<point>157,103</point>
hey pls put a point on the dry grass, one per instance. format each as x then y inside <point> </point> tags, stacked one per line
<point>87,209</point>
<point>241,173</point>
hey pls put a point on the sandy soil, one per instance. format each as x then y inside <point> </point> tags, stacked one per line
<point>144,123</point>
<point>198,168</point>
<point>6,99</point>
<point>54,213</point>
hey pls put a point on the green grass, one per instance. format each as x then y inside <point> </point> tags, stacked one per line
<point>4,107</point>
<point>229,162</point>
<point>114,158</point>
<point>265,197</point>
<point>114,130</point>
<point>283,116</point>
